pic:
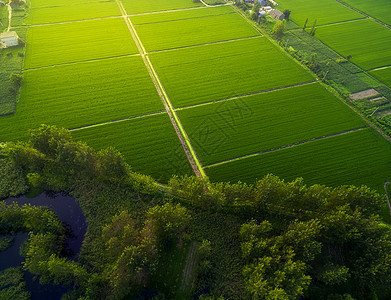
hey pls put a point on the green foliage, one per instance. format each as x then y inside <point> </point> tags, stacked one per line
<point>5,243</point>
<point>12,285</point>
<point>278,29</point>
<point>12,180</point>
<point>169,220</point>
<point>16,79</point>
<point>287,14</point>
<point>112,165</point>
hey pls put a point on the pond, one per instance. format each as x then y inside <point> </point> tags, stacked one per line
<point>68,212</point>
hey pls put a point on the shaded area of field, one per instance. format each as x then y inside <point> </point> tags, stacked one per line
<point>212,72</point>
<point>225,130</point>
<point>79,41</point>
<point>181,15</point>
<point>359,158</point>
<point>324,11</point>
<point>143,6</point>
<point>367,42</point>
<point>188,32</point>
<point>384,75</point>
<point>379,9</point>
<point>149,145</point>
<point>82,94</point>
<point>74,12</point>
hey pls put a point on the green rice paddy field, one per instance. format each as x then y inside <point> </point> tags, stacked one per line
<point>266,121</point>
<point>189,32</point>
<point>79,41</point>
<point>359,158</point>
<point>379,9</point>
<point>212,72</point>
<point>384,75</point>
<point>181,15</point>
<point>82,94</point>
<point>149,144</point>
<point>144,6</point>
<point>324,11</point>
<point>368,42</point>
<point>46,3</point>
<point>88,76</point>
<point>73,12</point>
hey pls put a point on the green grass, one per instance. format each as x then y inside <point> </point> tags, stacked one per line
<point>212,72</point>
<point>168,275</point>
<point>80,41</point>
<point>72,12</point>
<point>379,9</point>
<point>324,11</point>
<point>181,15</point>
<point>188,32</point>
<point>49,3</point>
<point>225,130</point>
<point>10,62</point>
<point>150,145</point>
<point>366,41</point>
<point>81,94</point>
<point>384,75</point>
<point>143,6</point>
<point>359,158</point>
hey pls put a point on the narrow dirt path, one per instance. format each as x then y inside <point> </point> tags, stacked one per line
<point>286,146</point>
<point>387,198</point>
<point>9,15</point>
<point>188,271</point>
<point>180,131</point>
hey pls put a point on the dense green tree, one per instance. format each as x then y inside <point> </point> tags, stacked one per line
<point>287,14</point>
<point>279,29</point>
<point>112,165</point>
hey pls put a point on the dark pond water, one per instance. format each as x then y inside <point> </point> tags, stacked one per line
<point>68,212</point>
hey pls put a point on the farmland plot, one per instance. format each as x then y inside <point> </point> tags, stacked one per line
<point>144,6</point>
<point>359,158</point>
<point>181,14</point>
<point>79,41</point>
<point>48,3</point>
<point>149,145</point>
<point>188,32</point>
<point>366,41</point>
<point>82,94</point>
<point>229,129</point>
<point>384,75</point>
<point>379,9</point>
<point>324,11</point>
<point>74,12</point>
<point>212,72</point>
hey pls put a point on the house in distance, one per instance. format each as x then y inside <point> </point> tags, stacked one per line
<point>277,14</point>
<point>9,39</point>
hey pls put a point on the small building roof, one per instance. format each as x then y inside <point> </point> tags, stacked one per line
<point>276,14</point>
<point>9,34</point>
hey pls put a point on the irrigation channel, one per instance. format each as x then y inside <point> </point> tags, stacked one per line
<point>69,212</point>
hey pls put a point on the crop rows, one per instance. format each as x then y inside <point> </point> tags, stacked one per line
<point>379,9</point>
<point>46,3</point>
<point>144,6</point>
<point>367,42</point>
<point>79,41</point>
<point>211,72</point>
<point>189,32</point>
<point>82,94</point>
<point>181,15</point>
<point>359,158</point>
<point>324,11</point>
<point>229,129</point>
<point>74,12</point>
<point>149,145</point>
